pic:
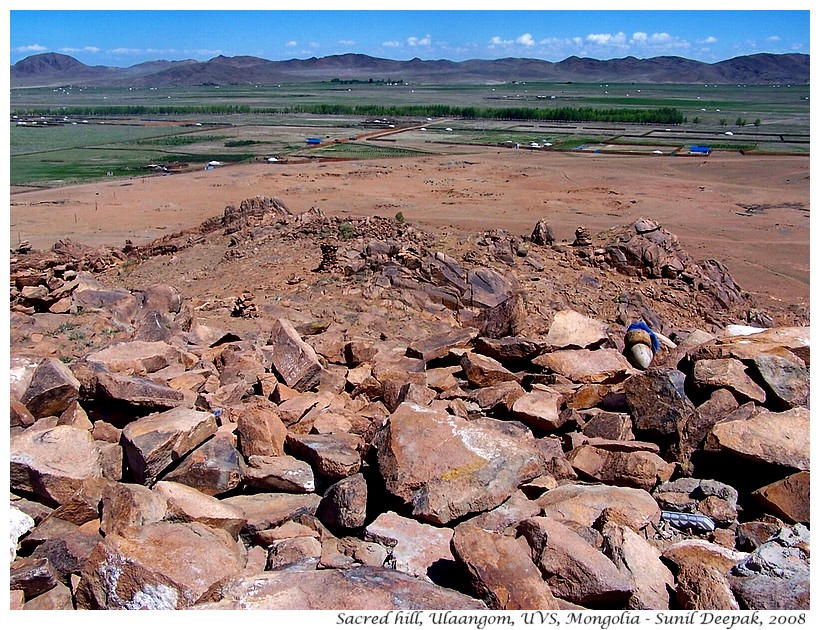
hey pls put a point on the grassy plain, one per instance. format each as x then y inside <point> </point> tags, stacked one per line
<point>67,150</point>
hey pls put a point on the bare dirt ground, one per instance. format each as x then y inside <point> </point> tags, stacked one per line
<point>749,212</point>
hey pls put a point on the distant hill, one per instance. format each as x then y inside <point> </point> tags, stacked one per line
<point>55,69</point>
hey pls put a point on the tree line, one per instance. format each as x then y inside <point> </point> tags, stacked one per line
<point>660,115</point>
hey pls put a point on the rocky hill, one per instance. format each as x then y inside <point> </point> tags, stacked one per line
<point>764,68</point>
<point>445,420</point>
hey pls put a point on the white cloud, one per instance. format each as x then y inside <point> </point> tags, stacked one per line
<point>709,40</point>
<point>640,38</point>
<point>415,41</point>
<point>126,51</point>
<point>30,48</point>
<point>391,44</point>
<point>607,39</point>
<point>88,49</point>
<point>525,40</point>
<point>773,38</point>
<point>346,42</point>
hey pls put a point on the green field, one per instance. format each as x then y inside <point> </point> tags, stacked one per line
<point>91,133</point>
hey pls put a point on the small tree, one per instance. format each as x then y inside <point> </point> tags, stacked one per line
<point>696,120</point>
<point>740,122</point>
<point>722,122</point>
<point>757,122</point>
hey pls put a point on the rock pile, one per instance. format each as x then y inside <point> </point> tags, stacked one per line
<point>188,465</point>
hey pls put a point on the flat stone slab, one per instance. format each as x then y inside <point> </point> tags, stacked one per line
<point>587,366</point>
<point>53,463</point>
<point>445,467</point>
<point>583,504</point>
<point>770,437</point>
<point>360,588</point>
<point>571,329</point>
<point>416,547</point>
<point>162,566</point>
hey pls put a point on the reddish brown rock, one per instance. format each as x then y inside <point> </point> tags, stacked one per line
<point>140,357</point>
<point>303,552</point>
<point>162,566</point>
<point>437,346</point>
<point>587,366</point>
<point>702,575</point>
<point>334,455</point>
<point>572,568</point>
<point>84,505</point>
<point>770,437</point>
<point>583,504</point>
<point>349,552</point>
<point>214,468</point>
<point>506,516</point>
<point>270,509</point>
<point>188,505</point>
<point>53,463</point>
<point>445,467</point>
<point>730,374</point>
<point>609,425</point>
<point>279,474</point>
<point>128,506</point>
<point>570,329</point>
<point>65,545</point>
<point>155,442</point>
<point>57,598</point>
<point>634,469</point>
<point>510,349</point>
<point>75,416</point>
<point>295,407</point>
<point>501,570</point>
<point>785,377</point>
<point>360,588</point>
<point>344,504</point>
<point>19,415</point>
<point>417,549</point>
<point>640,560</point>
<point>787,498</point>
<point>540,409</point>
<point>294,360</point>
<point>500,397</point>
<point>51,390</point>
<point>261,431</point>
<point>483,371</point>
<point>33,576</point>
<point>137,391</point>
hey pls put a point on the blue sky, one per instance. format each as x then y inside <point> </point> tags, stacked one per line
<point>124,38</point>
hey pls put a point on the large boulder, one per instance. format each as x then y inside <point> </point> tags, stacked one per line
<point>50,387</point>
<point>53,463</point>
<point>162,566</point>
<point>419,549</point>
<point>574,569</point>
<point>702,574</point>
<point>155,442</point>
<point>294,360</point>
<point>501,570</point>
<point>445,467</point>
<point>583,504</point>
<point>360,588</point>
<point>780,438</point>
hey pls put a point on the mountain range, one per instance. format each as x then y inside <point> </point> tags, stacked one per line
<point>52,69</point>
